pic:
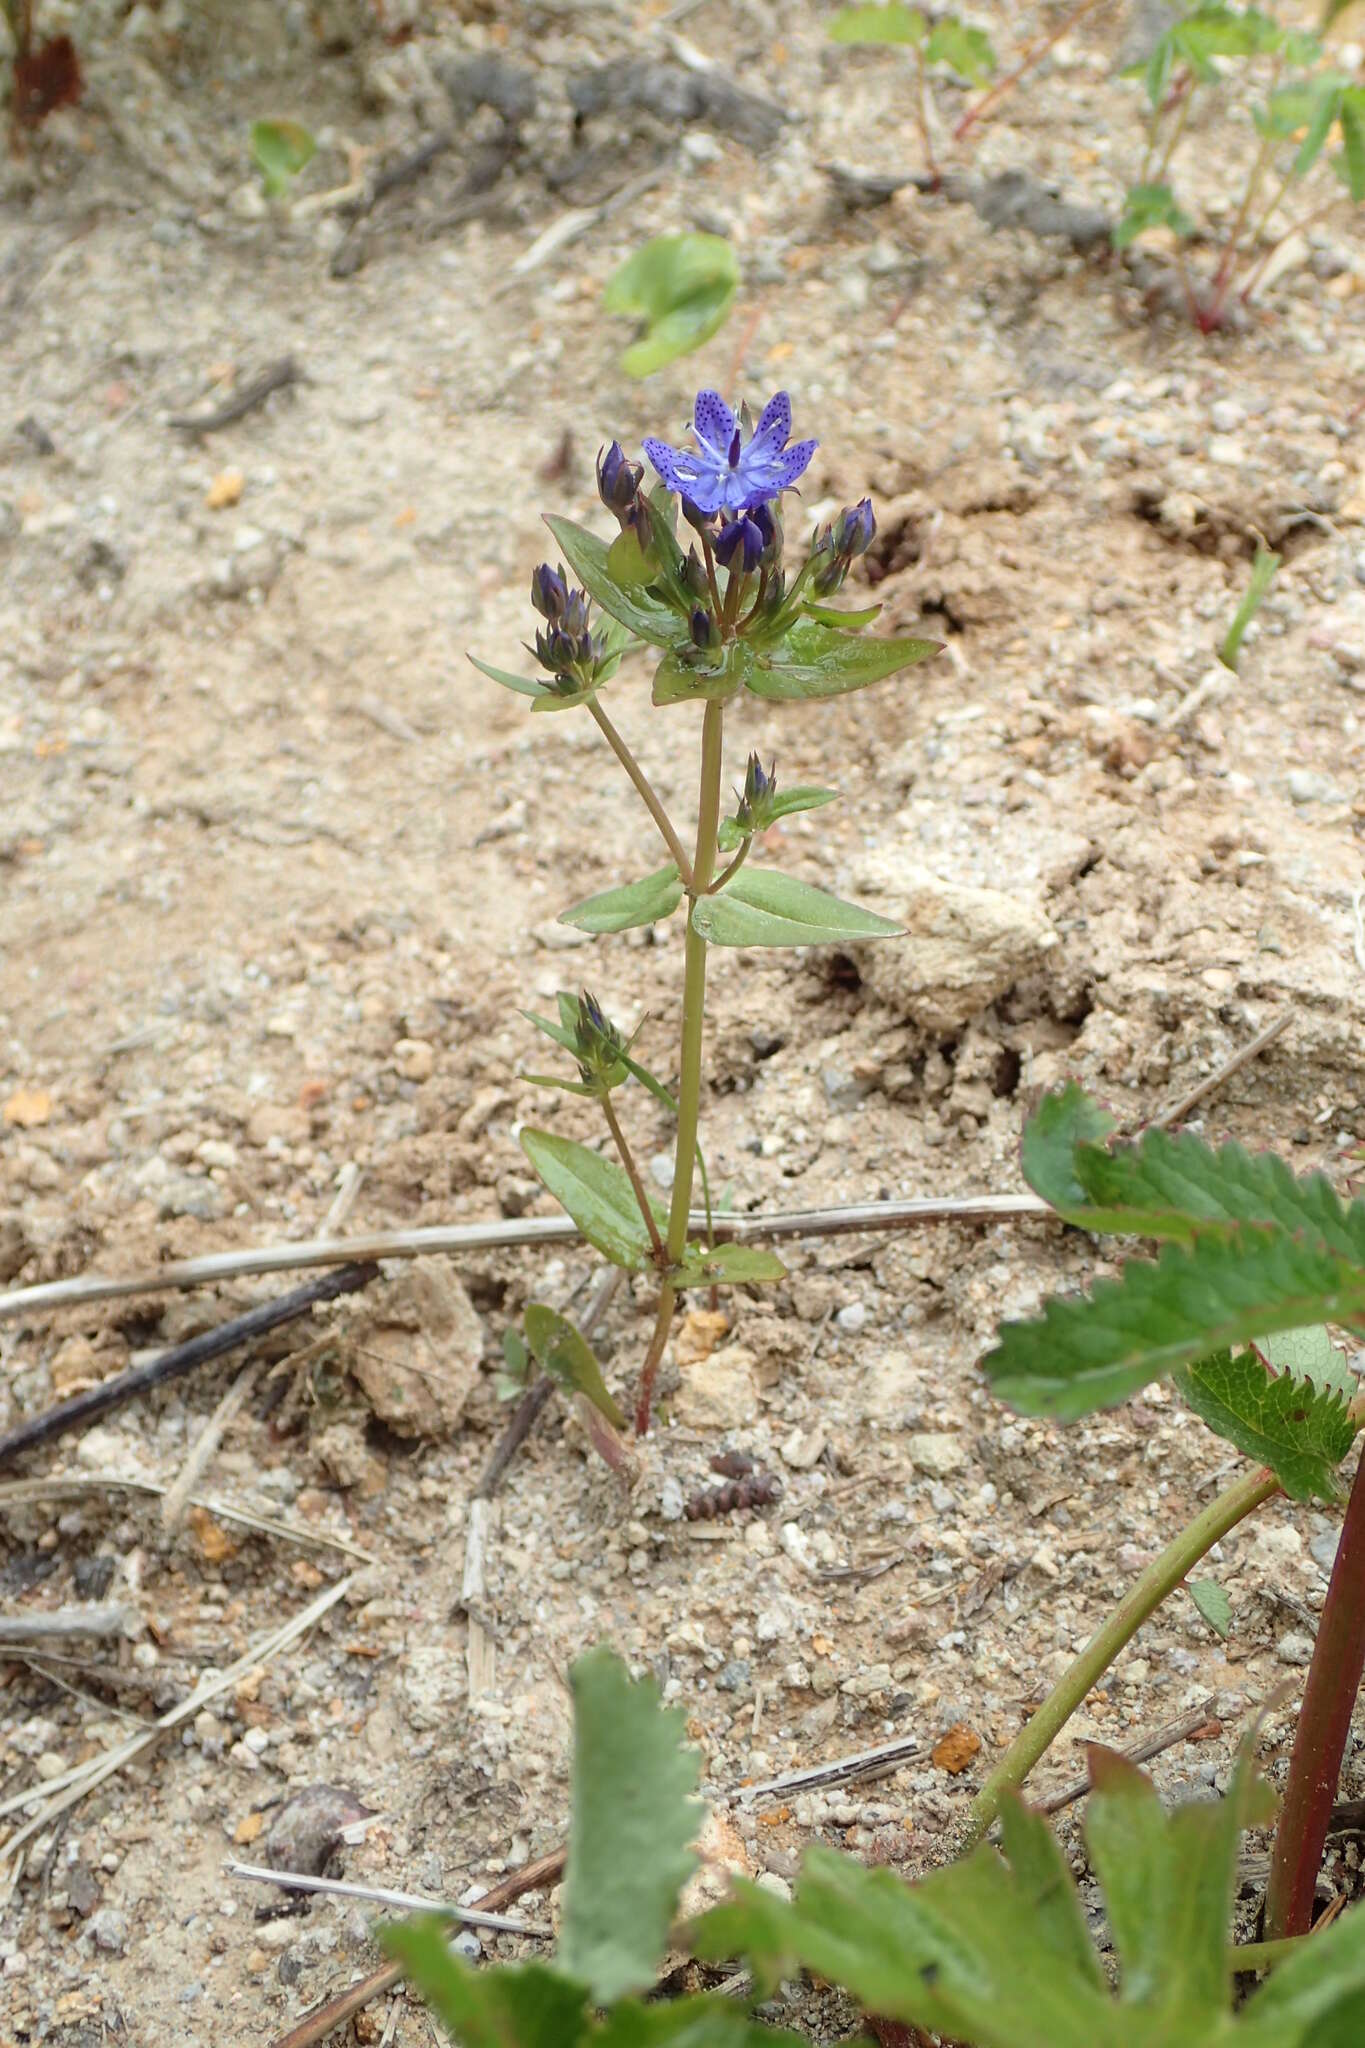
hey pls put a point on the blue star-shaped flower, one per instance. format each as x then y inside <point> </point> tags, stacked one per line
<point>728,473</point>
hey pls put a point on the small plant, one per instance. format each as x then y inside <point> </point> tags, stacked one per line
<point>1263,572</point>
<point>725,617</point>
<point>994,1952</point>
<point>964,52</point>
<point>680,288</point>
<point>1255,1262</point>
<point>280,150</point>
<point>1305,103</point>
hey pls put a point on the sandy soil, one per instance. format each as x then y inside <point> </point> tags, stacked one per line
<point>278,867</point>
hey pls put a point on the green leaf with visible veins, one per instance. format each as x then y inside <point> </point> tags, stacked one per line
<point>529,2006</point>
<point>819,661</point>
<point>597,1194</point>
<point>647,901</point>
<point>1227,1288</point>
<point>633,1822</point>
<point>760,908</point>
<point>1299,1431</point>
<point>1312,1356</point>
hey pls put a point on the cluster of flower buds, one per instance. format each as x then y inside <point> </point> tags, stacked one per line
<point>598,1045</point>
<point>835,547</point>
<point>567,647</point>
<point>756,800</point>
<point>619,486</point>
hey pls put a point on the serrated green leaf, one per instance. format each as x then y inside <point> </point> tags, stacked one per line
<point>530,2006</point>
<point>761,908</point>
<point>280,149</point>
<point>707,2020</point>
<point>816,661</point>
<point>884,26</point>
<point>728,1265</point>
<point>681,287</point>
<point>525,686</point>
<point>566,1355</point>
<point>586,555</point>
<point>633,1822</point>
<point>1299,1431</point>
<point>1213,1604</point>
<point>967,51</point>
<point>1064,1119</point>
<point>1150,206</point>
<point>1311,1355</point>
<point>731,835</point>
<point>1227,1289</point>
<point>597,1194</point>
<point>687,677</point>
<point>647,901</point>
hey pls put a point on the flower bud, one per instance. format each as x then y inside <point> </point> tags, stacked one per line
<point>704,630</point>
<point>694,575</point>
<point>740,544</point>
<point>618,481</point>
<point>854,529</point>
<point>598,1045</point>
<point>549,591</point>
<point>755,801</point>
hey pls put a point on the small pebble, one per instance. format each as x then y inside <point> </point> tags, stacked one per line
<point>1295,1648</point>
<point>851,1319</point>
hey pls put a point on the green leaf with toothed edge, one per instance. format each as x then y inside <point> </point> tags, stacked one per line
<point>597,1194</point>
<point>648,901</point>
<point>526,2006</point>
<point>565,1354</point>
<point>586,555</point>
<point>814,661</point>
<point>761,908</point>
<point>1300,1431</point>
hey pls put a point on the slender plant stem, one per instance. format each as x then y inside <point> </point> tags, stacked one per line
<point>756,606</point>
<point>1324,1726</point>
<point>693,1028</point>
<point>1297,227</point>
<point>1160,1579</point>
<point>1262,1955</point>
<point>736,864</point>
<point>1269,211</point>
<point>633,1174</point>
<point>1033,56</point>
<point>709,553</point>
<point>1177,129</point>
<point>1223,276</point>
<point>647,793</point>
<point>922,117</point>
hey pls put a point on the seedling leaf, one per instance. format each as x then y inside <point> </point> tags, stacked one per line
<point>647,901</point>
<point>881,25</point>
<point>280,150</point>
<point>566,1355</point>
<point>633,1820</point>
<point>967,51</point>
<point>1298,1430</point>
<point>596,1193</point>
<point>1262,576</point>
<point>761,908</point>
<point>1150,206</point>
<point>681,287</point>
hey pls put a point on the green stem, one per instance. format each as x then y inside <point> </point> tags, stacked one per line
<point>1160,1579</point>
<point>1223,277</point>
<point>1329,1698</point>
<point>693,1028</point>
<point>1177,129</point>
<point>736,864</point>
<point>646,791</point>
<point>633,1175</point>
<point>1262,1955</point>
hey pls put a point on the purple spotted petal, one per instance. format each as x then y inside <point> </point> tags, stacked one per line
<point>774,425</point>
<point>779,472</point>
<point>714,424</point>
<point>680,469</point>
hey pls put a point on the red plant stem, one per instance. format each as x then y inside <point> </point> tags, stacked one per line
<point>1032,56</point>
<point>1324,1725</point>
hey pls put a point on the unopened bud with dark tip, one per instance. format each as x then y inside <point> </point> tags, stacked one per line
<point>854,529</point>
<point>694,574</point>
<point>574,617</point>
<point>740,544</point>
<point>598,1045</point>
<point>618,481</point>
<point>755,804</point>
<point>704,630</point>
<point>769,524</point>
<point>549,591</point>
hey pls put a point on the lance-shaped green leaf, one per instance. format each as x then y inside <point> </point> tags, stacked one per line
<point>1213,1604</point>
<point>529,2006</point>
<point>785,805</point>
<point>847,622</point>
<point>597,1194</point>
<point>687,677</point>
<point>1350,164</point>
<point>566,1355</point>
<point>586,555</point>
<point>818,661</point>
<point>633,1820</point>
<point>1301,1432</point>
<point>1226,1289</point>
<point>653,897</point>
<point>525,686</point>
<point>727,1265</point>
<point>760,908</point>
<point>681,287</point>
